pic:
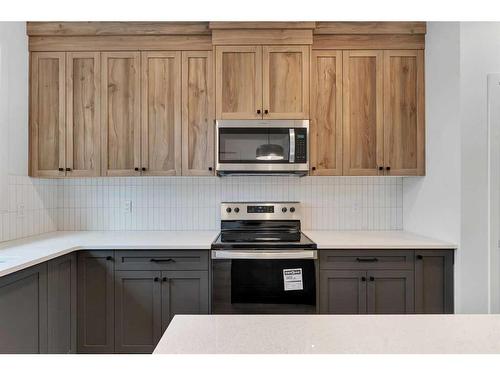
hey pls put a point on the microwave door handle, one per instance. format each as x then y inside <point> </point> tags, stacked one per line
<point>292,146</point>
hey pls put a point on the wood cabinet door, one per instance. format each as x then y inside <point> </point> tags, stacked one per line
<point>238,82</point>
<point>83,143</point>
<point>404,113</point>
<point>23,311</point>
<point>285,77</point>
<point>326,113</point>
<point>342,292</point>
<point>137,311</point>
<point>161,113</point>
<point>390,292</point>
<point>198,127</point>
<point>61,301</point>
<point>120,113</point>
<point>47,114</point>
<point>363,113</point>
<point>434,282</point>
<point>96,302</point>
<point>183,292</point>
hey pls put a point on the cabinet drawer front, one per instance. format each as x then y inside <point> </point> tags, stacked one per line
<point>366,259</point>
<point>161,260</point>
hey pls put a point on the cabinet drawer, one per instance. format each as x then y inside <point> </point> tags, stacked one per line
<point>161,260</point>
<point>366,259</point>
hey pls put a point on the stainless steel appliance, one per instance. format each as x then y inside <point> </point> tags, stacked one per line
<point>262,147</point>
<point>261,261</point>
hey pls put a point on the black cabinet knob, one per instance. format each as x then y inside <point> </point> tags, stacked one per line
<point>380,168</point>
<point>258,111</point>
<point>313,168</point>
<point>156,279</point>
<point>144,169</point>
<point>266,112</point>
<point>387,168</point>
<point>109,257</point>
<point>61,169</point>
<point>210,168</point>
<point>363,278</point>
<point>420,257</point>
<point>68,169</point>
<point>372,278</point>
<point>136,169</point>
<point>164,279</point>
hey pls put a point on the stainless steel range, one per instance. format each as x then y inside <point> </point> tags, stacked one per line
<point>261,261</point>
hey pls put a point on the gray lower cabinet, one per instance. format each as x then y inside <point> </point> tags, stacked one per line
<point>342,292</point>
<point>434,281</point>
<point>23,311</point>
<point>96,302</point>
<point>61,304</point>
<point>389,292</point>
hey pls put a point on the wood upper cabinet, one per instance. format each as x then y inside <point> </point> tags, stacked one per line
<point>198,128</point>
<point>363,113</point>
<point>285,90</point>
<point>239,82</point>
<point>47,117</point>
<point>120,113</point>
<point>161,113</point>
<point>83,114</point>
<point>326,113</point>
<point>404,132</point>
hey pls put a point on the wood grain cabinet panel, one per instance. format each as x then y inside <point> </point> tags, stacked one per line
<point>198,127</point>
<point>326,113</point>
<point>363,113</point>
<point>434,281</point>
<point>137,311</point>
<point>239,82</point>
<point>404,133</point>
<point>96,302</point>
<point>285,71</point>
<point>342,292</point>
<point>23,311</point>
<point>83,81</point>
<point>61,302</point>
<point>161,113</point>
<point>47,115</point>
<point>120,108</point>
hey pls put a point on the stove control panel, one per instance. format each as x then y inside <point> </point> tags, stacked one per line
<point>260,211</point>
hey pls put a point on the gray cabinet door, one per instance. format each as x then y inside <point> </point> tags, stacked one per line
<point>342,292</point>
<point>137,311</point>
<point>61,303</point>
<point>96,302</point>
<point>434,281</point>
<point>183,292</point>
<point>23,311</point>
<point>390,292</point>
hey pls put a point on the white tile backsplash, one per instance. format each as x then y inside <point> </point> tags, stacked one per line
<point>190,203</point>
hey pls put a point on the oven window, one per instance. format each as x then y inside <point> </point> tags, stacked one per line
<point>252,145</point>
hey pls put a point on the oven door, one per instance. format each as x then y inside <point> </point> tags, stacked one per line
<point>264,281</point>
<point>262,146</point>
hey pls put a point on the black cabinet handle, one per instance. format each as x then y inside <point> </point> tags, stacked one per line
<point>68,169</point>
<point>164,279</point>
<point>136,169</point>
<point>266,111</point>
<point>156,279</point>
<point>258,111</point>
<point>109,257</point>
<point>61,169</point>
<point>420,257</point>
<point>210,168</point>
<point>380,168</point>
<point>372,278</point>
<point>367,259</point>
<point>166,260</point>
<point>363,278</point>
<point>144,169</point>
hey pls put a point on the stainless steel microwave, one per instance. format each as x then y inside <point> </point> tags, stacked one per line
<point>262,147</point>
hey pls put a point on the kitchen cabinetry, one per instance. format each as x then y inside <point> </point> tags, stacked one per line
<point>386,281</point>
<point>23,311</point>
<point>434,281</point>
<point>96,302</point>
<point>61,303</point>
<point>255,82</point>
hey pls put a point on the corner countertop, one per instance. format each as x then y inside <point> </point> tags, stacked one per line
<point>374,240</point>
<point>331,334</point>
<point>19,254</point>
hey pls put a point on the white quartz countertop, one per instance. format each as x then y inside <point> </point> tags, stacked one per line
<point>374,240</point>
<point>19,254</point>
<point>331,334</point>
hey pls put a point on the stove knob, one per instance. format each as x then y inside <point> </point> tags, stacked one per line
<point>228,210</point>
<point>292,209</point>
<point>283,209</point>
<point>236,210</point>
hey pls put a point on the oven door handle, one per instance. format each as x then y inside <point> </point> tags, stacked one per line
<point>264,254</point>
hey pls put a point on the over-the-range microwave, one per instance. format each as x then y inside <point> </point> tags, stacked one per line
<point>258,147</point>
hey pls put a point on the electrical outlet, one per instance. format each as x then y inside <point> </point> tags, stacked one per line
<point>127,207</point>
<point>20,211</point>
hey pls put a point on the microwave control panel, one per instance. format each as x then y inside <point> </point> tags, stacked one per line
<point>300,145</point>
